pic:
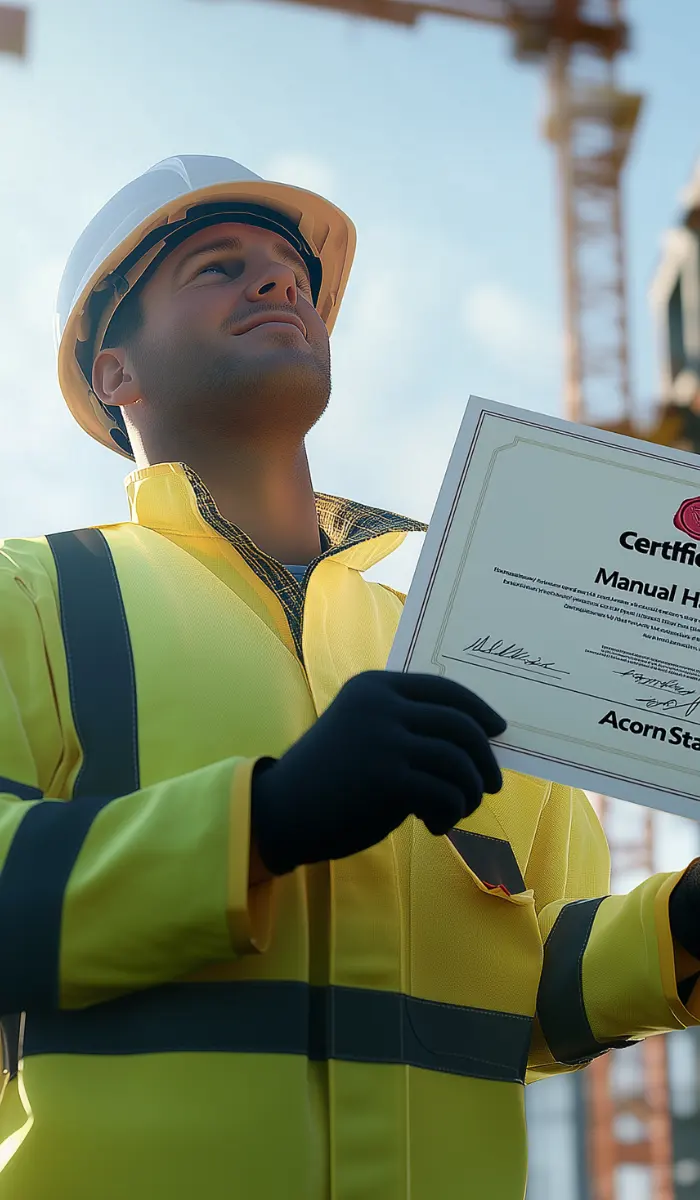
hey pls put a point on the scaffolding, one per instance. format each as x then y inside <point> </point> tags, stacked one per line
<point>591,123</point>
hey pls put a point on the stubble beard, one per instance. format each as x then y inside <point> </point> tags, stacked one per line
<point>275,394</point>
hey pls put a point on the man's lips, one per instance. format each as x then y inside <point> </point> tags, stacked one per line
<point>288,318</point>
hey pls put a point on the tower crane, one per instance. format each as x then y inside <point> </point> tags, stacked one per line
<point>13,30</point>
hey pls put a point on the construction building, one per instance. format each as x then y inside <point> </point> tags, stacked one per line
<point>675,300</point>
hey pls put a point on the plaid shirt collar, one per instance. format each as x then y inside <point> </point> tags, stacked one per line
<point>171,498</point>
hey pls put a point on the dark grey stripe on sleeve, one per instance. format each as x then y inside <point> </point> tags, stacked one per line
<point>561,1005</point>
<point>32,882</point>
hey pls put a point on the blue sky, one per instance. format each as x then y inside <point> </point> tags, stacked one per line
<point>429,138</point>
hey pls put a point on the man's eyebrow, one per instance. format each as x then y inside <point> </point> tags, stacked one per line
<point>288,254</point>
<point>233,244</point>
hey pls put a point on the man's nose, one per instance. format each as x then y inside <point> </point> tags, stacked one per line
<point>277,281</point>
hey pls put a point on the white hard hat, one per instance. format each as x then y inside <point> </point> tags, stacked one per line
<point>145,220</point>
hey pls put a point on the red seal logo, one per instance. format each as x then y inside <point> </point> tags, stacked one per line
<point>687,519</point>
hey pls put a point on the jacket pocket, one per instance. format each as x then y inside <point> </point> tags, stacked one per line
<point>474,937</point>
<point>492,865</point>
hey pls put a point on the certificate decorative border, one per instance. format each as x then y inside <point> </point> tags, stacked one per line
<point>585,439</point>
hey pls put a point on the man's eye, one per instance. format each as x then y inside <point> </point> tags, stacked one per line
<point>302,278</point>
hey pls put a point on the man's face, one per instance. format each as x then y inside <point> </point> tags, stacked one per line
<point>230,340</point>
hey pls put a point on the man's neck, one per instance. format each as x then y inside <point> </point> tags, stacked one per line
<point>268,494</point>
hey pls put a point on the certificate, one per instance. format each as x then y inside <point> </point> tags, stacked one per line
<point>560,581</point>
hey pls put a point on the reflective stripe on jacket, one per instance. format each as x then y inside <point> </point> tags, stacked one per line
<point>356,1030</point>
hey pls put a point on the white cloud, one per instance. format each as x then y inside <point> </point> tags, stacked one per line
<point>513,331</point>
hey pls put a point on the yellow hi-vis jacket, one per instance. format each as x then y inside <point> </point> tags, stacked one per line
<point>355,1030</point>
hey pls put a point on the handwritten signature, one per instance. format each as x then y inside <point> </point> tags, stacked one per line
<point>517,654</point>
<point>658,704</point>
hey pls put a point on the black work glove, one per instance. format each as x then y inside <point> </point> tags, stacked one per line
<point>684,911</point>
<point>389,745</point>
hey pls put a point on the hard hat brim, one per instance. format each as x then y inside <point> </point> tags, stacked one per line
<point>328,230</point>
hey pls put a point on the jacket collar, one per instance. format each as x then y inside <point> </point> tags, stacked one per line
<point>171,498</point>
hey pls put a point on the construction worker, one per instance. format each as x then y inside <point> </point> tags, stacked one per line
<point>273,924</point>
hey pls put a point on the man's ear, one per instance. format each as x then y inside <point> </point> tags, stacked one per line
<point>113,378</point>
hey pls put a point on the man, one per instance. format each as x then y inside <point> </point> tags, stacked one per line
<point>267,935</point>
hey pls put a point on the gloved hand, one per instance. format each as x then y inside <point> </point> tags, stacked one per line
<point>684,911</point>
<point>389,745</point>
